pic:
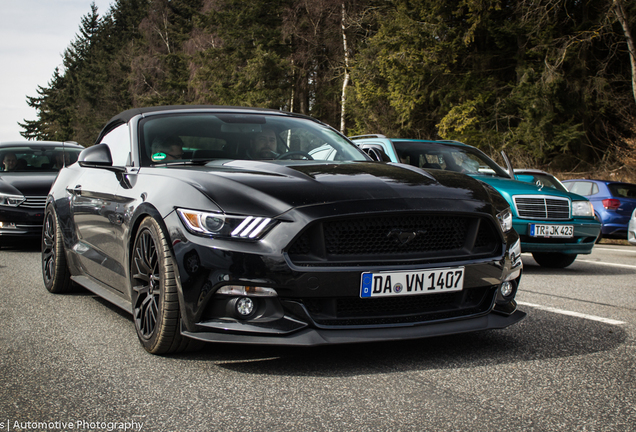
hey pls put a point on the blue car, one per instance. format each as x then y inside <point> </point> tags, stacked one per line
<point>554,225</point>
<point>613,203</point>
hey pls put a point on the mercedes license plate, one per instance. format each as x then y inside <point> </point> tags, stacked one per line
<point>392,284</point>
<point>562,231</point>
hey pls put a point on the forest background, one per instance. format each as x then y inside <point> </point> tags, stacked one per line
<point>551,82</point>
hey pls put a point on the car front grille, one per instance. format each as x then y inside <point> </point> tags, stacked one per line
<point>34,202</point>
<point>395,239</point>
<point>351,311</point>
<point>542,207</point>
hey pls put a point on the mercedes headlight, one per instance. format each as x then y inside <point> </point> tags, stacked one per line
<point>223,225</point>
<point>505,220</point>
<point>582,208</point>
<point>11,200</point>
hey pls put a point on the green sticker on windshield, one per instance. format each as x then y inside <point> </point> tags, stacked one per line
<point>158,157</point>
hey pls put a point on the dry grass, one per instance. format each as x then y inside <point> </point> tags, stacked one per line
<point>622,174</point>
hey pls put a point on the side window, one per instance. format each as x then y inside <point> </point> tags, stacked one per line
<point>594,189</point>
<point>582,188</point>
<point>118,140</point>
<point>381,145</point>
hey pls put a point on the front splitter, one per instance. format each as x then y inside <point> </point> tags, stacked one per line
<point>316,337</point>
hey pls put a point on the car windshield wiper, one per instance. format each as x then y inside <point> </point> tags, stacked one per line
<point>188,162</point>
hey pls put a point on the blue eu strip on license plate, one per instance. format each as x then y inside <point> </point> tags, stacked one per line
<point>391,284</point>
<point>550,230</point>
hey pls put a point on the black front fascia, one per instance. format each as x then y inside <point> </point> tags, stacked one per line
<point>207,264</point>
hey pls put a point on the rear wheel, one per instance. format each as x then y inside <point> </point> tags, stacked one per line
<point>55,272</point>
<point>553,259</point>
<point>154,295</point>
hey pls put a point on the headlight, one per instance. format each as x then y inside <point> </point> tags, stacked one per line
<point>222,225</point>
<point>505,220</point>
<point>11,200</point>
<point>582,208</point>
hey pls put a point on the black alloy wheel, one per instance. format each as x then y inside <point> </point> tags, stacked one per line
<point>154,291</point>
<point>55,272</point>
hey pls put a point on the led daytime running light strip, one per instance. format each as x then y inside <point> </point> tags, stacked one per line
<point>251,227</point>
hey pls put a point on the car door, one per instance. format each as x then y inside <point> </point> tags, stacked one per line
<point>99,215</point>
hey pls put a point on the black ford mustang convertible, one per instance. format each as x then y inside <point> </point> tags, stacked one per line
<point>257,226</point>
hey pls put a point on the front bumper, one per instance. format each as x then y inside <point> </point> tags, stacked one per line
<point>318,305</point>
<point>18,222</point>
<point>582,241</point>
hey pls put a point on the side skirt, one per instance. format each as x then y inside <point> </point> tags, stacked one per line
<point>104,292</point>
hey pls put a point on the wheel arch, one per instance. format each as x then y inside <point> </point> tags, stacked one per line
<point>148,210</point>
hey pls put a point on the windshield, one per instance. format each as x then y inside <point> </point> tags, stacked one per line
<point>540,179</point>
<point>434,155</point>
<point>190,137</point>
<point>33,158</point>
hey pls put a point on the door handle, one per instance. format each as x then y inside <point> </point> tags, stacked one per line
<point>77,190</point>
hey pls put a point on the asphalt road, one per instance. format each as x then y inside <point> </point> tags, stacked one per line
<point>72,362</point>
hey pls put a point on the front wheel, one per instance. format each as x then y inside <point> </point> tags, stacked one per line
<point>553,259</point>
<point>55,272</point>
<point>154,292</point>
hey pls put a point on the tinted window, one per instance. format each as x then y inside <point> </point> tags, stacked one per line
<point>467,160</point>
<point>622,190</point>
<point>118,140</point>
<point>179,138</point>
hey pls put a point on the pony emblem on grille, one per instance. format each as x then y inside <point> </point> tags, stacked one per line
<point>404,237</point>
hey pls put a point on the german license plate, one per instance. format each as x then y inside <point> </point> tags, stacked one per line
<point>562,231</point>
<point>393,284</point>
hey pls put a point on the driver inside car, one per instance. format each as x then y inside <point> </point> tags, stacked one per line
<point>263,145</point>
<point>167,148</point>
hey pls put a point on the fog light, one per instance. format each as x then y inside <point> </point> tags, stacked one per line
<point>240,290</point>
<point>506,289</point>
<point>244,306</point>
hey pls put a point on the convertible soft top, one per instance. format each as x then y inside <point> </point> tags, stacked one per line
<point>125,116</point>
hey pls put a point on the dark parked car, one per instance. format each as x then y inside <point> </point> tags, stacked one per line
<point>613,202</point>
<point>217,224</point>
<point>27,171</point>
<point>554,225</point>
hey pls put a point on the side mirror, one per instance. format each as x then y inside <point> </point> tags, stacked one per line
<point>98,156</point>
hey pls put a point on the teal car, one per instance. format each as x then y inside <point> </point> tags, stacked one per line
<point>554,225</point>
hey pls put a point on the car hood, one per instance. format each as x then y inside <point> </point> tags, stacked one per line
<point>280,186</point>
<point>509,187</point>
<point>27,183</point>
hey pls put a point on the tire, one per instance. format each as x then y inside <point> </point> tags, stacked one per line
<point>55,272</point>
<point>154,292</point>
<point>553,259</point>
